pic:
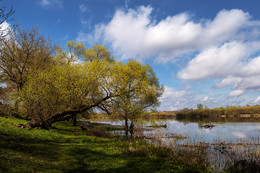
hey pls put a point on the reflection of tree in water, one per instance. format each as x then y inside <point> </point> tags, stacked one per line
<point>206,126</point>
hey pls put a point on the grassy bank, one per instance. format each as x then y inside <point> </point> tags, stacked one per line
<point>65,148</point>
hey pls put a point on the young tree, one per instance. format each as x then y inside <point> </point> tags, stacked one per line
<point>141,92</point>
<point>24,51</point>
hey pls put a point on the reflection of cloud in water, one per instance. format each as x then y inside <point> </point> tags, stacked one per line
<point>239,134</point>
<point>207,130</point>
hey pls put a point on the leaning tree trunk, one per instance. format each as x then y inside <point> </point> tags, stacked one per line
<point>62,116</point>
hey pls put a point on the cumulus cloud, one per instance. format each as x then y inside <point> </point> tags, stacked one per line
<point>208,99</point>
<point>219,61</point>
<point>177,99</point>
<point>133,33</point>
<point>205,99</point>
<point>170,99</point>
<point>257,100</point>
<point>170,93</point>
<point>224,47</point>
<point>233,62</point>
<point>243,83</point>
<point>236,93</point>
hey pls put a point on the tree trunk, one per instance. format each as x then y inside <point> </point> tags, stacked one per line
<point>66,115</point>
<point>132,128</point>
<point>74,121</point>
<point>126,126</point>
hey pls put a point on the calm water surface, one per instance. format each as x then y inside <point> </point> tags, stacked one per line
<point>234,132</point>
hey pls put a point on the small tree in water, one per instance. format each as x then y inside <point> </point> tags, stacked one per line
<point>142,91</point>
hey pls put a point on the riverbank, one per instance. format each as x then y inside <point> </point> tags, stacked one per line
<point>66,148</point>
<point>230,113</point>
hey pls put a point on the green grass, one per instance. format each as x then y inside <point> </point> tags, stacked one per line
<point>65,148</point>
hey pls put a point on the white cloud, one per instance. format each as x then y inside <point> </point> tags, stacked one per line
<point>51,3</point>
<point>219,61</point>
<point>205,99</point>
<point>170,93</point>
<point>171,99</point>
<point>236,93</point>
<point>228,81</point>
<point>232,61</point>
<point>133,34</point>
<point>224,47</point>
<point>5,30</point>
<point>241,83</point>
<point>252,68</point>
<point>178,99</point>
<point>257,100</point>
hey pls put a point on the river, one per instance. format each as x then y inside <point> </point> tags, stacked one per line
<point>194,132</point>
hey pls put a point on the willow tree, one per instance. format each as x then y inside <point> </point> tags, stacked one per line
<point>61,92</point>
<point>75,53</point>
<point>65,88</point>
<point>140,92</point>
<point>97,81</point>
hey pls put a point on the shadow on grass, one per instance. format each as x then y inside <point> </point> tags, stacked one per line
<point>88,160</point>
<point>27,152</point>
<point>23,153</point>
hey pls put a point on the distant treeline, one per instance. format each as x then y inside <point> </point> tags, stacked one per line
<point>159,115</point>
<point>220,113</point>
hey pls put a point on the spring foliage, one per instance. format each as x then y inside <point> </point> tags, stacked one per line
<point>81,79</point>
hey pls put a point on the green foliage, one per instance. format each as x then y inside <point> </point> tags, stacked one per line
<point>79,51</point>
<point>199,106</point>
<point>140,91</point>
<point>68,87</point>
<point>63,88</point>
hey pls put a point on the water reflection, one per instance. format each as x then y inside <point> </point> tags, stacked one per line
<point>221,140</point>
<point>234,132</point>
<point>239,134</point>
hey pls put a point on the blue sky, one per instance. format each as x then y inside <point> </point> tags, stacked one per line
<point>202,51</point>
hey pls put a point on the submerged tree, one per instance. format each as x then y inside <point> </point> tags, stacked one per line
<point>141,92</point>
